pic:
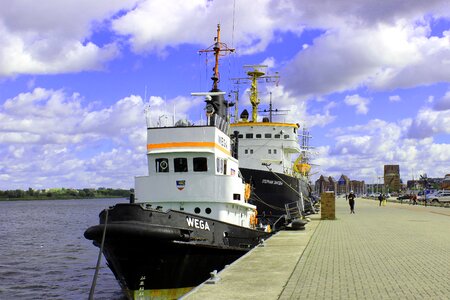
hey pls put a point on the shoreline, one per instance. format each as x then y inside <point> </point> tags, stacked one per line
<point>60,198</point>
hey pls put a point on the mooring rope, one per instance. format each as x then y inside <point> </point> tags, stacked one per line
<point>257,198</point>
<point>99,259</point>
<point>301,195</point>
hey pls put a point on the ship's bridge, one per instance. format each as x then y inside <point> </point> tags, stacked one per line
<point>267,143</point>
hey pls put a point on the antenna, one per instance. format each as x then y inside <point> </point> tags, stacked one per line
<point>256,74</point>
<point>236,111</point>
<point>271,111</point>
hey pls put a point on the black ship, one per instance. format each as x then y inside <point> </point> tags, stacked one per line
<point>272,159</point>
<point>190,215</point>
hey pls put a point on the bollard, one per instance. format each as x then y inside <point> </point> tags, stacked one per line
<point>327,206</point>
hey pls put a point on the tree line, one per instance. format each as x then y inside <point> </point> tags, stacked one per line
<point>62,193</point>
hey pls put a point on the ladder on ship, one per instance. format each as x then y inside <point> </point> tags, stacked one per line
<point>293,210</point>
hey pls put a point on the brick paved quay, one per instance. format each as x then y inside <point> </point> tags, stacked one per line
<point>398,251</point>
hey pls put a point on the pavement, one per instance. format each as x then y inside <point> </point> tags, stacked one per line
<point>397,251</point>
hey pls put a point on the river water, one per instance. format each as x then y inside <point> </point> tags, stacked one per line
<point>44,255</point>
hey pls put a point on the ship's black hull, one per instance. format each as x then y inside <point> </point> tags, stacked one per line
<point>271,191</point>
<point>154,253</point>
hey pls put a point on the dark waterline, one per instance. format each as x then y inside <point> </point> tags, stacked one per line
<point>44,255</point>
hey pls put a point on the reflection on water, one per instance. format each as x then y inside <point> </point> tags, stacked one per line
<point>44,255</point>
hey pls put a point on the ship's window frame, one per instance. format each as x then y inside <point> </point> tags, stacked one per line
<point>258,135</point>
<point>269,151</point>
<point>286,136</point>
<point>200,164</point>
<point>221,166</point>
<point>225,166</point>
<point>246,151</point>
<point>180,164</point>
<point>277,136</point>
<point>274,151</point>
<point>162,165</point>
<point>240,136</point>
<point>251,151</point>
<point>249,135</point>
<point>267,135</point>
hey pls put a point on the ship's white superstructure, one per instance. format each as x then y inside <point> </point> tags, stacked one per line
<point>266,144</point>
<point>192,170</point>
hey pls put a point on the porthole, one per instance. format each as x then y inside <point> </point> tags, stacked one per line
<point>197,210</point>
<point>208,210</point>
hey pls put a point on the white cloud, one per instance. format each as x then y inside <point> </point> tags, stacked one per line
<point>156,25</point>
<point>395,98</point>
<point>49,138</point>
<point>290,109</point>
<point>331,14</point>
<point>359,102</point>
<point>383,57</point>
<point>53,37</point>
<point>443,103</point>
<point>429,122</point>
<point>361,152</point>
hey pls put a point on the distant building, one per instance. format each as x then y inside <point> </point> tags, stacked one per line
<point>446,182</point>
<point>428,183</point>
<point>358,187</point>
<point>392,178</point>
<point>324,184</point>
<point>343,186</point>
<point>374,188</point>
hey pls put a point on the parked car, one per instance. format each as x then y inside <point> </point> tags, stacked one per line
<point>403,197</point>
<point>439,197</point>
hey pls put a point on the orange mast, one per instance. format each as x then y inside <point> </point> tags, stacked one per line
<point>217,48</point>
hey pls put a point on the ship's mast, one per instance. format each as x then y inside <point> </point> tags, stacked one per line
<point>217,48</point>
<point>255,75</point>
<point>254,100</point>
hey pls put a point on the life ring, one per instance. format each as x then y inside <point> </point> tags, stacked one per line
<point>163,165</point>
<point>247,192</point>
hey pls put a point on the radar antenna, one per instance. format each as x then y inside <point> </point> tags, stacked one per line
<point>256,74</point>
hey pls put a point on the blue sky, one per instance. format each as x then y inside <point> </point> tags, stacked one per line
<point>369,79</point>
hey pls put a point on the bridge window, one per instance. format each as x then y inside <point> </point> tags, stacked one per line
<point>258,136</point>
<point>240,136</point>
<point>286,136</point>
<point>277,136</point>
<point>180,164</point>
<point>162,165</point>
<point>221,167</point>
<point>249,136</point>
<point>200,164</point>
<point>268,135</point>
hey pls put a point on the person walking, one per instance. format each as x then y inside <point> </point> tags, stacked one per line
<point>351,202</point>
<point>380,198</point>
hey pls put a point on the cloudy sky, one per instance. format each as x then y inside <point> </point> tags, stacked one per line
<point>369,78</point>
